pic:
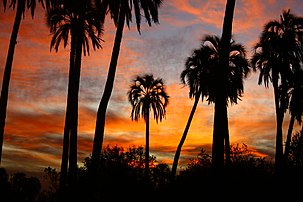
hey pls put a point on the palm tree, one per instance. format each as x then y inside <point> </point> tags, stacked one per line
<point>146,94</point>
<point>295,107</point>
<point>78,22</point>
<point>276,54</point>
<point>22,5</point>
<point>220,128</point>
<point>201,76</point>
<point>191,76</point>
<point>121,12</point>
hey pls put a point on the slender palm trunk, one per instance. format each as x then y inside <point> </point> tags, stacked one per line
<point>75,98</point>
<point>288,138</point>
<point>279,146</point>
<point>101,114</point>
<point>147,144</point>
<point>7,72</point>
<point>226,37</point>
<point>219,133</point>
<point>68,116</point>
<point>178,151</point>
<point>221,118</point>
<point>279,132</point>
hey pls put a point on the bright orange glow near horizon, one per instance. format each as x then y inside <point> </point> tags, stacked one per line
<point>38,88</point>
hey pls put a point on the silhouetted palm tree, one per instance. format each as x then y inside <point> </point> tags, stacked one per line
<point>201,76</point>
<point>295,106</point>
<point>146,94</point>
<point>276,54</point>
<point>192,76</point>
<point>78,22</point>
<point>121,12</point>
<point>220,128</point>
<point>22,5</point>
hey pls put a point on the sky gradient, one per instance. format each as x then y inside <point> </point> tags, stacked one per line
<point>38,88</point>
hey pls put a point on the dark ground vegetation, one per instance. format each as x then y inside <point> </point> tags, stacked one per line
<point>121,178</point>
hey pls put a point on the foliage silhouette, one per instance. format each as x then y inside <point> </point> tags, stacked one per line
<point>246,175</point>
<point>122,177</point>
<point>295,158</point>
<point>18,187</point>
<point>51,178</point>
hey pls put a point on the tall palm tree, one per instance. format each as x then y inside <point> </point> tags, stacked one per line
<point>78,22</point>
<point>200,75</point>
<point>276,54</point>
<point>22,5</point>
<point>220,128</point>
<point>192,76</point>
<point>146,94</point>
<point>121,13</point>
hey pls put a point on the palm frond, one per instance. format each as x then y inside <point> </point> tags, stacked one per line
<point>201,74</point>
<point>148,93</point>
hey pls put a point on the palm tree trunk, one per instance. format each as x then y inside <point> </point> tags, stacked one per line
<point>147,144</point>
<point>75,98</point>
<point>68,116</point>
<point>178,151</point>
<point>221,118</point>
<point>219,133</point>
<point>226,37</point>
<point>288,138</point>
<point>7,72</point>
<point>101,114</point>
<point>279,132</point>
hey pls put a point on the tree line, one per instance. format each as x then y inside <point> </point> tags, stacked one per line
<point>122,176</point>
<point>215,72</point>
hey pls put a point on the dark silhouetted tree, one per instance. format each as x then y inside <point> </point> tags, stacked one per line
<point>24,188</point>
<point>201,76</point>
<point>51,179</point>
<point>192,76</point>
<point>276,56</point>
<point>220,128</point>
<point>295,107</point>
<point>148,94</point>
<point>295,157</point>
<point>77,22</point>
<point>119,166</point>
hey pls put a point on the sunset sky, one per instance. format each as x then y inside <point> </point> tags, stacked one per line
<point>38,88</point>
